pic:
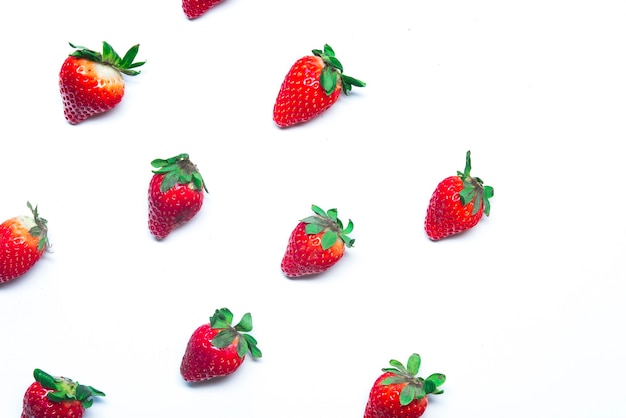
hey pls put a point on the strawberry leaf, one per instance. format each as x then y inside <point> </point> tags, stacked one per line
<point>332,214</point>
<point>224,338</point>
<point>348,229</point>
<point>313,229</point>
<point>413,364</point>
<point>169,180</point>
<point>319,211</point>
<point>252,345</point>
<point>329,239</point>
<point>245,325</point>
<point>328,80</point>
<point>46,380</point>
<point>410,392</point>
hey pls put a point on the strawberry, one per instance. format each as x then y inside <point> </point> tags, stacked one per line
<point>57,397</point>
<point>316,244</point>
<point>312,85</point>
<point>196,8</point>
<point>92,82</point>
<point>23,240</point>
<point>217,348</point>
<point>399,393</point>
<point>175,194</point>
<point>457,204</point>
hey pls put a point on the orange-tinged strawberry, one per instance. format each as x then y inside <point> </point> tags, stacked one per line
<point>399,393</point>
<point>23,240</point>
<point>57,397</point>
<point>92,83</point>
<point>312,85</point>
<point>175,194</point>
<point>196,8</point>
<point>316,244</point>
<point>457,204</point>
<point>218,348</point>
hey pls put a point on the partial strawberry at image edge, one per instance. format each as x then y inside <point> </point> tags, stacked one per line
<point>57,397</point>
<point>457,204</point>
<point>92,82</point>
<point>193,9</point>
<point>218,349</point>
<point>23,241</point>
<point>175,194</point>
<point>312,85</point>
<point>316,244</point>
<point>400,392</point>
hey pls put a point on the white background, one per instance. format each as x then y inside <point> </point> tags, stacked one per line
<point>524,314</point>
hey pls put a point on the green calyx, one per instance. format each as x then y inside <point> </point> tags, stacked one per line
<point>109,57</point>
<point>331,225</point>
<point>223,319</point>
<point>474,190</point>
<point>40,230</point>
<point>64,389</point>
<point>333,70</point>
<point>416,387</point>
<point>178,170</point>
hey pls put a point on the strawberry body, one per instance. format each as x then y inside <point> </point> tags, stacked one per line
<point>23,240</point>
<point>312,85</point>
<point>384,401</point>
<point>316,244</point>
<point>92,83</point>
<point>218,348</point>
<point>457,204</point>
<point>399,393</point>
<point>56,397</point>
<point>196,8</point>
<point>175,194</point>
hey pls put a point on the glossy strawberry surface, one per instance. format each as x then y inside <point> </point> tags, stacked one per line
<point>316,244</point>
<point>312,85</point>
<point>384,401</point>
<point>89,88</point>
<point>23,240</point>
<point>218,348</point>
<point>196,8</point>
<point>57,397</point>
<point>457,204</point>
<point>305,255</point>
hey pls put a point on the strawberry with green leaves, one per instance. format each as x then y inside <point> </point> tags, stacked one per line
<point>312,85</point>
<point>57,397</point>
<point>218,348</point>
<point>175,194</point>
<point>23,240</point>
<point>399,393</point>
<point>196,8</point>
<point>316,244</point>
<point>457,204</point>
<point>92,83</point>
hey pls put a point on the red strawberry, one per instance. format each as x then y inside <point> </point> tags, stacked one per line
<point>316,244</point>
<point>312,85</point>
<point>23,240</point>
<point>196,8</point>
<point>217,348</point>
<point>92,83</point>
<point>457,204</point>
<point>57,397</point>
<point>175,194</point>
<point>399,393</point>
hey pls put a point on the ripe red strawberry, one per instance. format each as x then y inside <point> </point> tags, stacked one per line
<point>217,348</point>
<point>400,393</point>
<point>57,397</point>
<point>175,194</point>
<point>196,8</point>
<point>92,83</point>
<point>316,244</point>
<point>312,85</point>
<point>457,204</point>
<point>23,240</point>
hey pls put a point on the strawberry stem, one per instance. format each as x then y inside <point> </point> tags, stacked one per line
<point>65,389</point>
<point>110,57</point>
<point>178,170</point>
<point>330,224</point>
<point>332,71</point>
<point>223,319</point>
<point>474,190</point>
